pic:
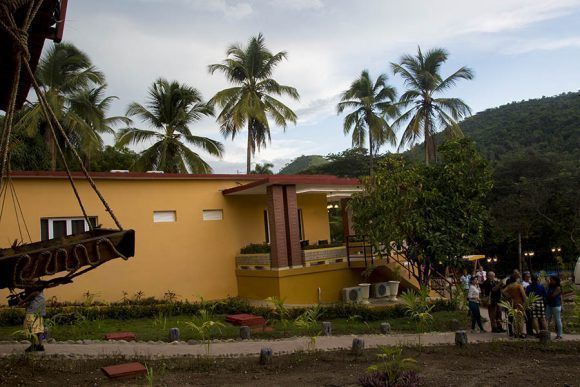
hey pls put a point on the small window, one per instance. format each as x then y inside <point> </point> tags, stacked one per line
<point>60,227</point>
<point>213,214</point>
<point>164,216</point>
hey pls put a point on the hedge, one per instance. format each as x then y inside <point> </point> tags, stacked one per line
<point>135,310</point>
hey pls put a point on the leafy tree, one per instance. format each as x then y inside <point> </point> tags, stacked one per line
<point>113,158</point>
<point>353,162</point>
<point>533,148</point>
<point>252,100</point>
<point>170,109</point>
<point>64,73</point>
<point>430,213</point>
<point>428,112</point>
<point>263,169</point>
<point>372,102</point>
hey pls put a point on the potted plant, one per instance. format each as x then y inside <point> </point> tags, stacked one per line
<point>394,285</point>
<point>366,286</point>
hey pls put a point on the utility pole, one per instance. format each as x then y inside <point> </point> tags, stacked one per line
<point>520,250</point>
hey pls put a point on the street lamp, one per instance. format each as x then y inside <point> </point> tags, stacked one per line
<point>529,255</point>
<point>557,251</point>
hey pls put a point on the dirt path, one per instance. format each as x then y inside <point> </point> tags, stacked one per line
<point>250,347</point>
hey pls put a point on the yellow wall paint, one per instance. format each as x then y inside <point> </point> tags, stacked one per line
<point>298,286</point>
<point>190,257</point>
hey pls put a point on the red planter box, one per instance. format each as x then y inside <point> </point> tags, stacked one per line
<point>127,336</point>
<point>127,369</point>
<point>250,320</point>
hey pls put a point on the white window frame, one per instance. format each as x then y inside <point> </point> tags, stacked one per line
<point>68,225</point>
<point>162,213</point>
<point>213,215</point>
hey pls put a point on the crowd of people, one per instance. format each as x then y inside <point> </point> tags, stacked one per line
<point>537,302</point>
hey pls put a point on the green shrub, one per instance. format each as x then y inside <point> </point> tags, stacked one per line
<point>255,248</point>
<point>69,314</point>
<point>326,246</point>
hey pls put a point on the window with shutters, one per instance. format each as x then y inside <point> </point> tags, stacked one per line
<point>59,227</point>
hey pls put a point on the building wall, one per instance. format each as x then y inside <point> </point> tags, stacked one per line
<point>191,257</point>
<point>298,286</point>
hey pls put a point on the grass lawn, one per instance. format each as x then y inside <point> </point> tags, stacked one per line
<point>158,328</point>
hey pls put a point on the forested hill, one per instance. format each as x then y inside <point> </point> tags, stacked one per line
<point>547,126</point>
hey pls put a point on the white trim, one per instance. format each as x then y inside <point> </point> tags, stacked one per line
<point>68,226</point>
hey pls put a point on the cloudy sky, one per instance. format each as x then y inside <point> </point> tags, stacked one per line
<point>519,49</point>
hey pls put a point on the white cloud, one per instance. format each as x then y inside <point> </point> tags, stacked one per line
<point>522,47</point>
<point>298,5</point>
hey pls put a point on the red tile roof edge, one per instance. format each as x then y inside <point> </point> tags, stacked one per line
<point>256,179</point>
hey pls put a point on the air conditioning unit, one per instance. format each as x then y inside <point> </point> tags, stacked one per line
<point>380,290</point>
<point>353,294</point>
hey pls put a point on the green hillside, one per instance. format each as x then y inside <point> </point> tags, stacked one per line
<point>302,163</point>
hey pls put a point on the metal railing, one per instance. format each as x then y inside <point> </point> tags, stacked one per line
<point>358,247</point>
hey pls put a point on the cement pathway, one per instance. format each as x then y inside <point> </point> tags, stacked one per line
<point>250,347</point>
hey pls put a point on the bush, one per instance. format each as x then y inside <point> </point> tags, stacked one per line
<point>68,314</point>
<point>255,248</point>
<point>326,246</point>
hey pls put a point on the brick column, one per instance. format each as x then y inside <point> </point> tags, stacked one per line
<point>292,226</point>
<point>277,224</point>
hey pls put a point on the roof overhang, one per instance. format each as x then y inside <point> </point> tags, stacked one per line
<point>475,257</point>
<point>334,187</point>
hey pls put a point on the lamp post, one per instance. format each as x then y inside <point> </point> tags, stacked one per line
<point>529,255</point>
<point>557,252</point>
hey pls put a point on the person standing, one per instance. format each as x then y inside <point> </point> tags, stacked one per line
<point>514,291</point>
<point>473,297</point>
<point>35,305</point>
<point>465,280</point>
<point>526,280</point>
<point>554,304</point>
<point>492,289</point>
<point>537,312</point>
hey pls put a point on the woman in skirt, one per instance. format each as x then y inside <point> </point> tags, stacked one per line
<point>537,312</point>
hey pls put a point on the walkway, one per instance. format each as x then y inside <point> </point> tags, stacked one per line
<point>249,347</point>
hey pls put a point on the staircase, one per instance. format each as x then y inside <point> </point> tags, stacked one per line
<point>361,254</point>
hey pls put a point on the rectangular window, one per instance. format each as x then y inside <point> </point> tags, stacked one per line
<point>164,216</point>
<point>213,214</point>
<point>60,227</point>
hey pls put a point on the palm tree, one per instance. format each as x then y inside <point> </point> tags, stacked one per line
<point>263,169</point>
<point>92,105</point>
<point>372,102</point>
<point>170,109</point>
<point>428,112</point>
<point>63,71</point>
<point>251,101</point>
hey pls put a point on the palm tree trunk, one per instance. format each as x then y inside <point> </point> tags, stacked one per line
<point>249,150</point>
<point>371,151</point>
<point>427,136</point>
<point>51,145</point>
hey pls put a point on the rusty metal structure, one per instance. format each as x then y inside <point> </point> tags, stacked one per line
<point>24,26</point>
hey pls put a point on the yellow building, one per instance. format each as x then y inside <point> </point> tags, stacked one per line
<point>189,232</point>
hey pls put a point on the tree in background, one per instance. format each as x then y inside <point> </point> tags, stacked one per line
<point>65,72</point>
<point>431,213</point>
<point>263,169</point>
<point>92,105</point>
<point>251,101</point>
<point>170,109</point>
<point>372,102</point>
<point>428,113</point>
<point>353,162</point>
